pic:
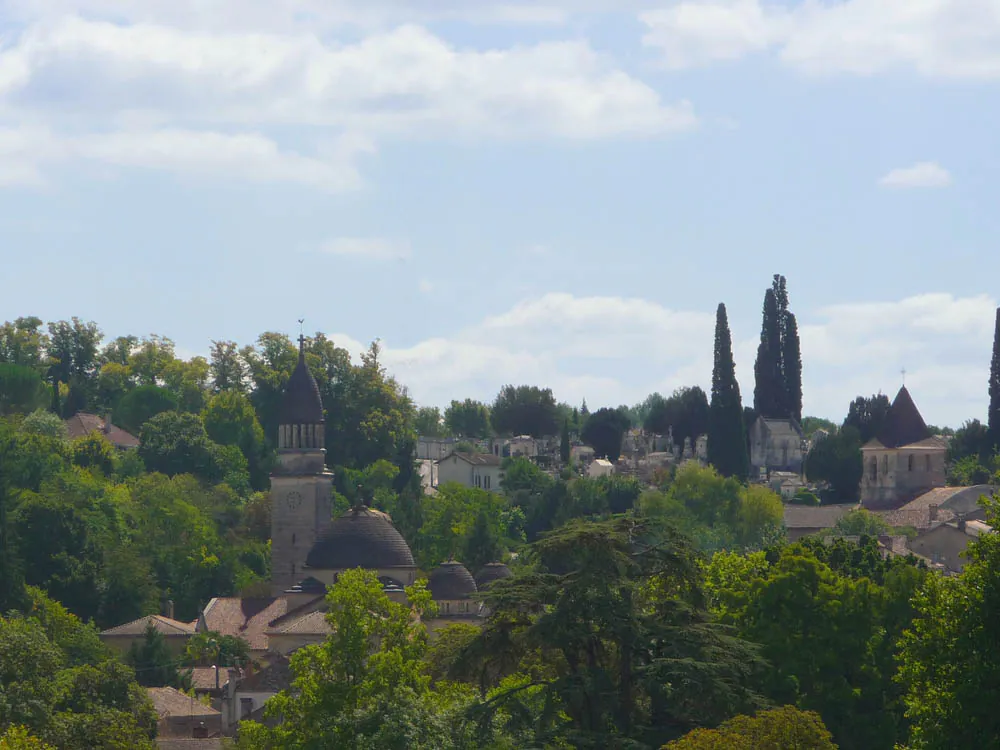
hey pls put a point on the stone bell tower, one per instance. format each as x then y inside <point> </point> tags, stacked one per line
<point>301,486</point>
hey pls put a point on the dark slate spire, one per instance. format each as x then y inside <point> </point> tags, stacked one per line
<point>302,403</point>
<point>903,424</point>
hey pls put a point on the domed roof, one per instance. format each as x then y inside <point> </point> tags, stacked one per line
<point>302,403</point>
<point>451,580</point>
<point>491,572</point>
<point>361,538</point>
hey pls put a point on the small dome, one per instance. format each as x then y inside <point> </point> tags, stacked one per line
<point>491,572</point>
<point>451,580</point>
<point>302,403</point>
<point>361,538</point>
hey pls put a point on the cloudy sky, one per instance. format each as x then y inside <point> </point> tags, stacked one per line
<point>557,194</point>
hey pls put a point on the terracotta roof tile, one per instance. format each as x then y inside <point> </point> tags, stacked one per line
<point>276,676</point>
<point>164,625</point>
<point>311,623</point>
<point>188,743</point>
<point>171,702</point>
<point>815,517</point>
<point>246,618</point>
<point>203,678</point>
<point>82,423</point>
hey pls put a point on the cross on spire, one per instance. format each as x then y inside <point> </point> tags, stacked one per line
<point>302,337</point>
<point>903,373</point>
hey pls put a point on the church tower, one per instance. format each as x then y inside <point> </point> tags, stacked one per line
<point>301,486</point>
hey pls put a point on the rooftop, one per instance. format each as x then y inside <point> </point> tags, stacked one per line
<point>903,424</point>
<point>164,625</point>
<point>815,517</point>
<point>476,459</point>
<point>171,702</point>
<point>82,424</point>
<point>361,538</point>
<point>301,403</point>
<point>246,618</point>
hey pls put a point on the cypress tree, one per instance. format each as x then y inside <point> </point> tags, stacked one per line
<point>768,394</point>
<point>791,366</point>
<point>993,420</point>
<point>727,446</point>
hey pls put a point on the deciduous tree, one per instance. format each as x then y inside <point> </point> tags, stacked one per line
<point>604,432</point>
<point>467,418</point>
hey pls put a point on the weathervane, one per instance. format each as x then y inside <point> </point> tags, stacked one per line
<point>302,335</point>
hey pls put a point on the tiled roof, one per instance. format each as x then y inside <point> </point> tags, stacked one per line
<point>903,424</point>
<point>815,517</point>
<point>451,580</point>
<point>171,702</point>
<point>360,538</point>
<point>246,618</point>
<point>163,625</point>
<point>918,518</point>
<point>312,623</point>
<point>275,676</point>
<point>82,423</point>
<point>203,678</point>
<point>782,427</point>
<point>476,459</point>
<point>301,403</point>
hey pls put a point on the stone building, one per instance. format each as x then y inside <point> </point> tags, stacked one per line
<point>479,470</point>
<point>904,460</point>
<point>453,589</point>
<point>775,445</point>
<point>300,485</point>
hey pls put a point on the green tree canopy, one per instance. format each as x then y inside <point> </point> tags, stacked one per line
<point>525,410</point>
<point>468,418</point>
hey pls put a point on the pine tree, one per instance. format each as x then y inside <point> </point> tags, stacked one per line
<point>564,443</point>
<point>727,446</point>
<point>791,366</point>
<point>994,413</point>
<point>768,394</point>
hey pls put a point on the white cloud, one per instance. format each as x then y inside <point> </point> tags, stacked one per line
<point>631,347</point>
<point>369,248</point>
<point>936,38</point>
<point>925,174</point>
<point>26,153</point>
<point>403,81</point>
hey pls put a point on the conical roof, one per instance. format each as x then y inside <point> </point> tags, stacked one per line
<point>302,403</point>
<point>451,580</point>
<point>491,572</point>
<point>903,424</point>
<point>361,538</point>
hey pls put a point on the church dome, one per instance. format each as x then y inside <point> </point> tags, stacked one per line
<point>451,580</point>
<point>491,572</point>
<point>361,538</point>
<point>302,403</point>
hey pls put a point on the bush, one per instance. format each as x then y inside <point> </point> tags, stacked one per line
<point>804,498</point>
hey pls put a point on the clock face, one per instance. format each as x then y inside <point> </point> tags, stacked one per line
<point>294,499</point>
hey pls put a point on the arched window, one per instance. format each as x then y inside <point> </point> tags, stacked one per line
<point>874,470</point>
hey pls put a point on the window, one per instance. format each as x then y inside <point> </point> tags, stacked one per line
<point>909,462</point>
<point>927,463</point>
<point>885,465</point>
<point>487,481</point>
<point>874,471</point>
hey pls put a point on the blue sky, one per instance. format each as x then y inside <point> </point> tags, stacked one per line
<point>503,192</point>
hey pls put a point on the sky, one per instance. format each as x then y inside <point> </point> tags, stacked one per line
<point>553,193</point>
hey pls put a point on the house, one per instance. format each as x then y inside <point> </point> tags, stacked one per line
<point>480,470</point>
<point>939,505</point>
<point>183,715</point>
<point>247,617</point>
<point>786,484</point>
<point>776,445</point>
<point>434,448</point>
<point>82,424</point>
<point>601,467</point>
<point>175,633</point>
<point>946,543</point>
<point>522,445</point>
<point>904,460</point>
<point>581,454</point>
<point>245,695</point>
<point>803,520</point>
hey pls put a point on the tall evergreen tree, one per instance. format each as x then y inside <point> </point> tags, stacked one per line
<point>768,394</point>
<point>791,365</point>
<point>727,445</point>
<point>994,413</point>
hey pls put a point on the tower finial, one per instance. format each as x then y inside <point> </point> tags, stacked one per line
<point>302,339</point>
<point>903,373</point>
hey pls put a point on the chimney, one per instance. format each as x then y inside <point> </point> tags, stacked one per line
<point>933,509</point>
<point>169,612</point>
<point>200,732</point>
